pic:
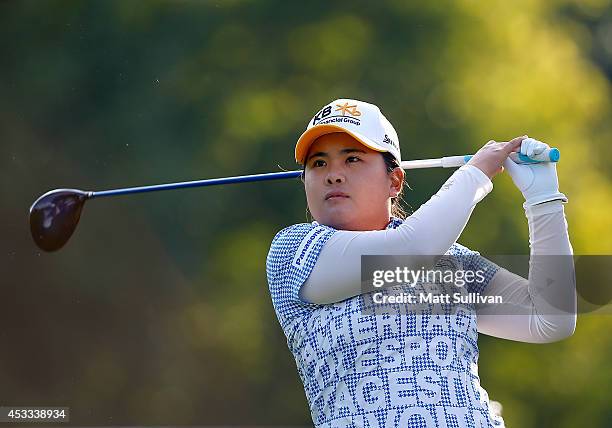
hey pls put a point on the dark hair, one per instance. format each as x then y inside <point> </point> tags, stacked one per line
<point>397,210</point>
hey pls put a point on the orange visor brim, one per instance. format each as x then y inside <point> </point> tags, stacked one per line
<point>310,135</point>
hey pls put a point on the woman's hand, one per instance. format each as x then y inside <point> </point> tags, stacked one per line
<point>537,182</point>
<point>490,158</point>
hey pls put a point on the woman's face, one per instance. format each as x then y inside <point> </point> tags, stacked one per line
<point>347,184</point>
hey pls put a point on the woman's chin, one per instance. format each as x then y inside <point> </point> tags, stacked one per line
<point>338,219</point>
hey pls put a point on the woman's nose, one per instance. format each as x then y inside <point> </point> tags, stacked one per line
<point>335,177</point>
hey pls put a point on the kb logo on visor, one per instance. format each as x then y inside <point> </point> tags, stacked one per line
<point>344,109</point>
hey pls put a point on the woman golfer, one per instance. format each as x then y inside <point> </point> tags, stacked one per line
<point>408,367</point>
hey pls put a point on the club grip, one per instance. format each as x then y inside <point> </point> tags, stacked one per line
<point>549,155</point>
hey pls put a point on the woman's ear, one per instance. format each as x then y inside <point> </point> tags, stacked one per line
<point>397,181</point>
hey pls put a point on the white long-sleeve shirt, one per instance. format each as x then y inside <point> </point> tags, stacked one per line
<point>525,315</point>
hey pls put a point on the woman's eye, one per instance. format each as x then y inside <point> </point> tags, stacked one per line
<point>321,162</point>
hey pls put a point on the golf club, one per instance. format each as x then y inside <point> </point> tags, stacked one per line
<point>55,215</point>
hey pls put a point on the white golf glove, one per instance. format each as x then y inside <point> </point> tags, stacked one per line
<point>537,182</point>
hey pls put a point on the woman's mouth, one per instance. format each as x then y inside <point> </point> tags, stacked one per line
<point>335,196</point>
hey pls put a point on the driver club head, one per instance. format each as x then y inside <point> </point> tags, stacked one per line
<point>54,216</point>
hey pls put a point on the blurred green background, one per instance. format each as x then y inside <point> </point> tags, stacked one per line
<point>157,311</point>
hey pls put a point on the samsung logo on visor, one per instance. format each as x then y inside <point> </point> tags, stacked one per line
<point>388,140</point>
